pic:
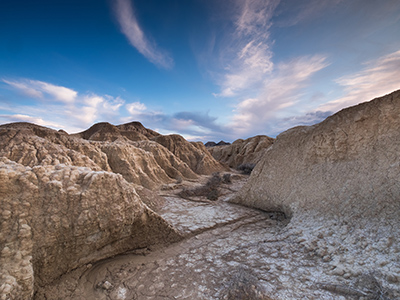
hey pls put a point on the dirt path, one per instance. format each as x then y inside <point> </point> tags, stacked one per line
<point>228,247</point>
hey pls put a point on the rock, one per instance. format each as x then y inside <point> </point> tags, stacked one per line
<point>133,131</point>
<point>241,152</point>
<point>63,217</point>
<point>339,181</point>
<point>70,200</point>
<point>343,166</point>
<point>143,162</point>
<point>210,144</point>
<point>195,155</point>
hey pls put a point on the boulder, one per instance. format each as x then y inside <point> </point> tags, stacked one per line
<point>57,218</point>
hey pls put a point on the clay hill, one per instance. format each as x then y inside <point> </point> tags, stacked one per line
<point>68,200</point>
<point>325,223</point>
<point>339,183</point>
<point>241,152</point>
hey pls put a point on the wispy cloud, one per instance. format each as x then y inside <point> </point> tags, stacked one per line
<point>193,125</point>
<point>30,119</point>
<point>70,110</point>
<point>247,56</point>
<point>300,11</point>
<point>135,108</point>
<point>281,90</point>
<point>131,29</point>
<point>39,89</point>
<point>378,78</point>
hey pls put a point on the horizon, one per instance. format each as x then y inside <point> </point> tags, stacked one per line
<point>207,70</point>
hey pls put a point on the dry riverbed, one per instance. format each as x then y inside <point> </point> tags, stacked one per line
<point>229,252</point>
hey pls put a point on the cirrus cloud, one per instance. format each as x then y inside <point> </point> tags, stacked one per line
<point>131,29</point>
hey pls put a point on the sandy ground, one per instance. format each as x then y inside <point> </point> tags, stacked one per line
<point>225,245</point>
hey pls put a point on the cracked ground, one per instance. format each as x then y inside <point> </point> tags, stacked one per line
<point>226,248</point>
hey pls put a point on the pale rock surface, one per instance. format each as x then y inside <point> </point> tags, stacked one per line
<point>144,162</point>
<point>57,218</point>
<point>339,182</point>
<point>248,151</point>
<point>195,155</point>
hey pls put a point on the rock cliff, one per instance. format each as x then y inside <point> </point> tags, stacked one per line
<point>195,155</point>
<point>339,182</point>
<point>143,162</point>
<point>68,200</point>
<point>57,218</point>
<point>240,152</point>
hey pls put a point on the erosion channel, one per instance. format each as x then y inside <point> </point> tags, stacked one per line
<point>228,252</point>
<point>225,246</point>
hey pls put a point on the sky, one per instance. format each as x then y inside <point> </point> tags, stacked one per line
<point>209,70</point>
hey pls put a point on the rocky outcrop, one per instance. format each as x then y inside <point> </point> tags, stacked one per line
<point>195,155</point>
<point>144,163</point>
<point>133,131</point>
<point>339,182</point>
<point>68,201</point>
<point>213,144</point>
<point>57,218</point>
<point>241,152</point>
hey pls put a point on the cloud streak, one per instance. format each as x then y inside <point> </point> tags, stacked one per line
<point>282,90</point>
<point>131,29</point>
<point>378,78</point>
<point>38,89</point>
<point>70,110</point>
<point>248,55</point>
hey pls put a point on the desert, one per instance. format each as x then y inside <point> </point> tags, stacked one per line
<point>122,212</point>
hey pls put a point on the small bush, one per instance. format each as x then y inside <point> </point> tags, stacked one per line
<point>226,178</point>
<point>246,168</point>
<point>209,190</point>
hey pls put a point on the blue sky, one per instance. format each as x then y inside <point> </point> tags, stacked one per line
<point>206,69</point>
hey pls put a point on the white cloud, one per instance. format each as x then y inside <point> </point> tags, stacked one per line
<point>378,78</point>
<point>248,57</point>
<point>69,110</point>
<point>135,108</point>
<point>40,89</point>
<point>60,93</point>
<point>281,90</point>
<point>131,29</point>
<point>30,119</point>
<point>24,88</point>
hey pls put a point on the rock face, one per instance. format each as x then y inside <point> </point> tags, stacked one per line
<point>69,200</point>
<point>240,152</point>
<point>145,162</point>
<point>57,218</point>
<point>213,144</point>
<point>195,155</point>
<point>339,181</point>
<point>133,131</point>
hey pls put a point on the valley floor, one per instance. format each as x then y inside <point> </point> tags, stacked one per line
<point>230,252</point>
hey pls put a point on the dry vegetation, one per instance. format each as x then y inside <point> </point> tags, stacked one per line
<point>210,189</point>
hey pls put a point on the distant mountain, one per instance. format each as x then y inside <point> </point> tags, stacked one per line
<point>213,144</point>
<point>133,131</point>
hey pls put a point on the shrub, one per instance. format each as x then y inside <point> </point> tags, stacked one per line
<point>246,168</point>
<point>226,178</point>
<point>209,190</point>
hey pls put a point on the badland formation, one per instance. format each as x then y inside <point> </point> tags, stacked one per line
<point>122,212</point>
